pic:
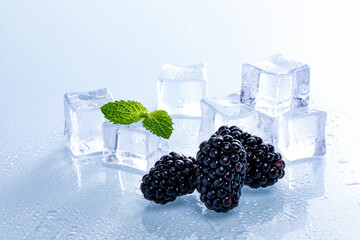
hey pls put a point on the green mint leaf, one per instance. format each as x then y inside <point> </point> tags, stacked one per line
<point>124,112</point>
<point>159,123</point>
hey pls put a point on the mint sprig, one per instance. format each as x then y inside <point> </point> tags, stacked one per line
<point>126,112</point>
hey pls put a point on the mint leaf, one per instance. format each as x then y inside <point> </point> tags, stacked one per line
<point>159,123</point>
<point>124,112</point>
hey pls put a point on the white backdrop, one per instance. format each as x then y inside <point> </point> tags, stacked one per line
<point>48,48</point>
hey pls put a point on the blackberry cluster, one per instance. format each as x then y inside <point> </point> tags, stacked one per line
<point>265,166</point>
<point>221,169</point>
<point>172,176</point>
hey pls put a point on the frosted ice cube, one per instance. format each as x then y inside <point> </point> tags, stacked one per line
<point>180,89</point>
<point>227,111</point>
<point>275,85</point>
<point>302,133</point>
<point>132,146</point>
<point>83,120</point>
<point>184,138</point>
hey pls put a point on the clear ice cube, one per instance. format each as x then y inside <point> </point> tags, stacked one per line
<point>275,85</point>
<point>180,89</point>
<point>302,133</point>
<point>184,138</point>
<point>83,120</point>
<point>227,111</point>
<point>132,146</point>
<point>269,128</point>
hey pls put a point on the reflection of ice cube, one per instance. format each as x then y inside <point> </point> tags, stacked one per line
<point>87,170</point>
<point>83,120</point>
<point>275,85</point>
<point>306,177</point>
<point>180,89</point>
<point>227,111</point>
<point>184,138</point>
<point>132,145</point>
<point>302,133</point>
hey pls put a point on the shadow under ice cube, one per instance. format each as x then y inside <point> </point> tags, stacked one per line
<point>302,133</point>
<point>132,146</point>
<point>83,120</point>
<point>180,89</point>
<point>275,85</point>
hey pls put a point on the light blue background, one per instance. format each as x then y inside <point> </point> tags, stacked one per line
<point>48,48</point>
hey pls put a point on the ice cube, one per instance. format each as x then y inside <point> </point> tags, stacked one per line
<point>180,89</point>
<point>275,85</point>
<point>132,146</point>
<point>227,111</point>
<point>302,133</point>
<point>184,138</point>
<point>83,120</point>
<point>269,128</point>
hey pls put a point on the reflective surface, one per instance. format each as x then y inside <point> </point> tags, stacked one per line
<point>49,48</point>
<point>53,195</point>
<point>46,193</point>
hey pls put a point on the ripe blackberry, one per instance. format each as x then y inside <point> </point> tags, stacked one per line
<point>265,166</point>
<point>172,176</point>
<point>221,169</point>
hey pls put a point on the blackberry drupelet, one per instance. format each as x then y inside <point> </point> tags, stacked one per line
<point>221,169</point>
<point>265,166</point>
<point>172,176</point>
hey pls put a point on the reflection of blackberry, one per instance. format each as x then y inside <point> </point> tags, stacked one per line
<point>265,166</point>
<point>221,171</point>
<point>172,176</point>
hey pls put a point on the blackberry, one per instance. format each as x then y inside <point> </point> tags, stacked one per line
<point>172,176</point>
<point>221,169</point>
<point>265,166</point>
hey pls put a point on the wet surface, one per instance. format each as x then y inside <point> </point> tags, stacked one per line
<point>46,193</point>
